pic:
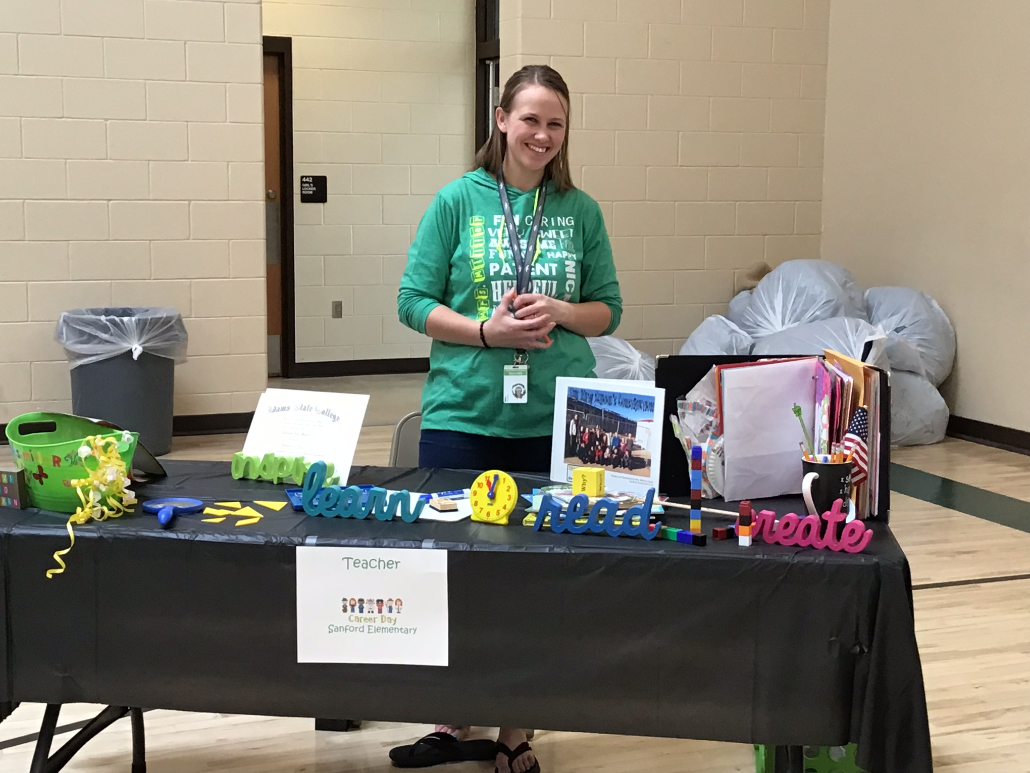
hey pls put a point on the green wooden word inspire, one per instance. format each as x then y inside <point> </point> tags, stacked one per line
<point>275,468</point>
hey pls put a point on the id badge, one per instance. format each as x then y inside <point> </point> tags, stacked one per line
<point>516,383</point>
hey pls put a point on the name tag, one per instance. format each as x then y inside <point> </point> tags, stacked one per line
<point>516,383</point>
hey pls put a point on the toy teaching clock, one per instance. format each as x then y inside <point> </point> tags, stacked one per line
<point>494,496</point>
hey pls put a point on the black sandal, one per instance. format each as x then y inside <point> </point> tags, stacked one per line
<point>521,749</point>
<point>440,748</point>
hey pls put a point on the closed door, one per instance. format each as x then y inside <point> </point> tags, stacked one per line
<point>273,214</point>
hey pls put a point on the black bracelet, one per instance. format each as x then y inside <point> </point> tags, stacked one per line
<point>481,336</point>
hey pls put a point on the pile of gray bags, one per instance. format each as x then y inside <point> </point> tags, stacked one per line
<point>806,306</point>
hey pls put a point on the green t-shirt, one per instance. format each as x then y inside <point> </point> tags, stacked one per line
<point>455,260</point>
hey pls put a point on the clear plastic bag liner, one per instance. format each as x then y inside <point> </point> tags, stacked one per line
<point>97,334</point>
<point>842,334</point>
<point>717,335</point>
<point>919,415</point>
<point>617,358</point>
<point>797,292</point>
<point>910,316</point>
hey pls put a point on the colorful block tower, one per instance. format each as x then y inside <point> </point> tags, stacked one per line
<point>744,521</point>
<point>12,490</point>
<point>695,489</point>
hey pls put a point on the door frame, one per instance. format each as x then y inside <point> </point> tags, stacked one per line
<point>282,49</point>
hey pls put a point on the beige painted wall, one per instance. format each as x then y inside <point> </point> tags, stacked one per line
<point>383,106</point>
<point>698,126</point>
<point>928,175</point>
<point>131,160</point>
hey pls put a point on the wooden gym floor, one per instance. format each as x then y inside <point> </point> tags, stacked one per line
<point>961,512</point>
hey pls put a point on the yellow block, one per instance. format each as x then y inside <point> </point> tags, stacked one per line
<point>214,520</point>
<point>248,512</point>
<point>589,481</point>
<point>277,506</point>
<point>248,521</point>
<point>233,505</point>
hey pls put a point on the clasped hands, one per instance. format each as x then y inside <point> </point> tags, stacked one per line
<point>535,316</point>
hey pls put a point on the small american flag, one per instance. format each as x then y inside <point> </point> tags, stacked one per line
<point>855,441</point>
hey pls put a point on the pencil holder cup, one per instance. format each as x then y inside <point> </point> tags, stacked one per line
<point>823,484</point>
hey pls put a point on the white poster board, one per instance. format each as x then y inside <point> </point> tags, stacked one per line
<point>608,409</point>
<point>320,426</point>
<point>372,605</point>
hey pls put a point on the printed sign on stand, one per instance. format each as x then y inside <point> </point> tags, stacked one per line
<point>372,605</point>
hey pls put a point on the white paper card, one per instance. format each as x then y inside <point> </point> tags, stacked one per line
<point>320,426</point>
<point>761,432</point>
<point>608,410</point>
<point>372,605</point>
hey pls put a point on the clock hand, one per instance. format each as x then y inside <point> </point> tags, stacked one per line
<point>492,491</point>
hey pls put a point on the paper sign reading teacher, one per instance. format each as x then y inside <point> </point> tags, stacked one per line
<point>372,605</point>
<point>319,426</point>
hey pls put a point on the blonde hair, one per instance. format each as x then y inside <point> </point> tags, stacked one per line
<point>491,156</point>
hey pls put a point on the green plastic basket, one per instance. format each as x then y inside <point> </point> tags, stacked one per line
<point>818,759</point>
<point>46,446</point>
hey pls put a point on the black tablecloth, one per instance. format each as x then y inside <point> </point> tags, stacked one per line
<point>770,644</point>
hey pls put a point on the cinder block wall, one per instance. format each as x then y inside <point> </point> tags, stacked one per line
<point>698,126</point>
<point>131,173</point>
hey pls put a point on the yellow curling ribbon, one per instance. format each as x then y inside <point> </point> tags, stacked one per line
<point>104,493</point>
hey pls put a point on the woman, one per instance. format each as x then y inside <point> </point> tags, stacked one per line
<point>510,271</point>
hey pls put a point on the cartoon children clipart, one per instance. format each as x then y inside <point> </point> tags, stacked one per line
<point>397,605</point>
<point>379,606</point>
<point>361,605</point>
<point>353,604</point>
<point>389,606</point>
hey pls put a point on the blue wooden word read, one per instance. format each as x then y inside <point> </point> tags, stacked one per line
<point>335,502</point>
<point>594,523</point>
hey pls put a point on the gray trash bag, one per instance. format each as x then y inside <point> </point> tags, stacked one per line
<point>617,358</point>
<point>738,306</point>
<point>842,334</point>
<point>919,415</point>
<point>717,335</point>
<point>914,318</point>
<point>801,291</point>
<point>94,335</point>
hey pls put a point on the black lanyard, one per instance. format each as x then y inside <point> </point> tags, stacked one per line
<point>523,263</point>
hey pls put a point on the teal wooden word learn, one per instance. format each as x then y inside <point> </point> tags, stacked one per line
<point>274,468</point>
<point>335,502</point>
<point>549,506</point>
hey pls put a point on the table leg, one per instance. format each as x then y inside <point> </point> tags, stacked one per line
<point>139,746</point>
<point>45,738</point>
<point>337,725</point>
<point>793,759</point>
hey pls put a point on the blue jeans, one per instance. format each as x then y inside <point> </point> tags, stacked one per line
<point>464,451</point>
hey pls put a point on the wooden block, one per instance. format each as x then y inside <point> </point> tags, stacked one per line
<point>443,505</point>
<point>13,491</point>
<point>589,481</point>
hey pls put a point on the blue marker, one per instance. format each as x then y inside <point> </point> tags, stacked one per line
<point>456,494</point>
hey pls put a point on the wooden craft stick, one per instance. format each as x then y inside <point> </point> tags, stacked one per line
<point>678,506</point>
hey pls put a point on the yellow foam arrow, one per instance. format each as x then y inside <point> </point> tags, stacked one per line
<point>248,521</point>
<point>249,512</point>
<point>277,506</point>
<point>233,505</point>
<point>214,520</point>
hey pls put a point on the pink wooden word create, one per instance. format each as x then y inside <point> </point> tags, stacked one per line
<point>793,530</point>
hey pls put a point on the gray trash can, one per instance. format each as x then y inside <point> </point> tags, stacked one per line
<point>123,367</point>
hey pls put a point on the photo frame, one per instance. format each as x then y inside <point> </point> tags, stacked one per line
<point>613,424</point>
